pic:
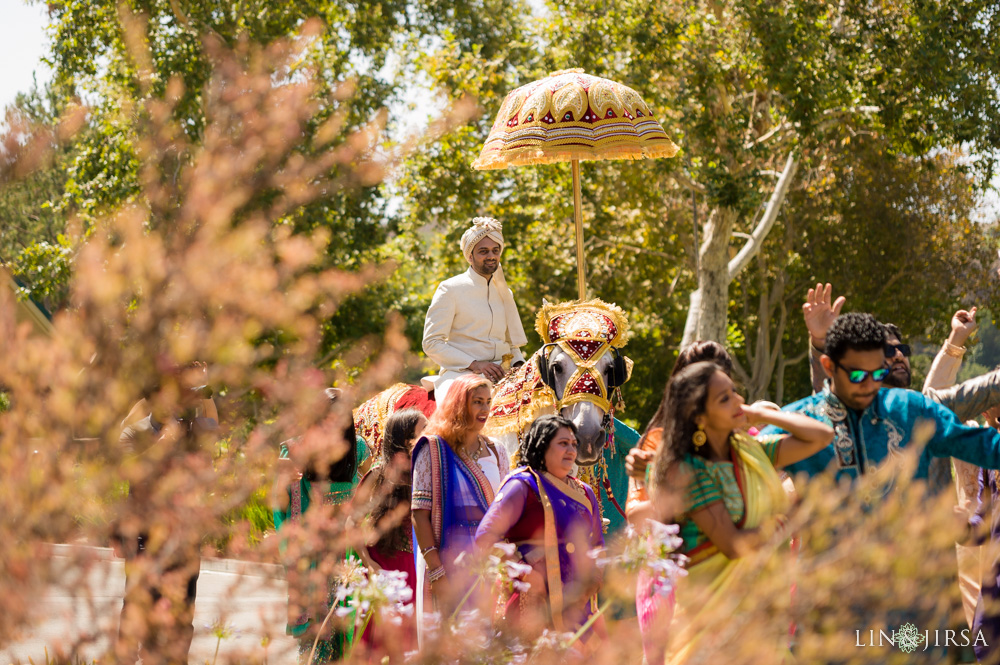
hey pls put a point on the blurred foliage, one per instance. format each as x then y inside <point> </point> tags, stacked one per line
<point>194,269</point>
<point>256,512</point>
<point>45,268</point>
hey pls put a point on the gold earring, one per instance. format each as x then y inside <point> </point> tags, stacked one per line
<point>699,438</point>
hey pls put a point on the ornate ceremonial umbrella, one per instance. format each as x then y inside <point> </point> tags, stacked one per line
<point>570,116</point>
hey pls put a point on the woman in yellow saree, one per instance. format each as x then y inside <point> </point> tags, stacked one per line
<point>729,484</point>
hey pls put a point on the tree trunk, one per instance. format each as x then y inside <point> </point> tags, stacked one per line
<point>709,305</point>
<point>713,276</point>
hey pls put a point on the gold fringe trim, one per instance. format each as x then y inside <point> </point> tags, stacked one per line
<point>542,399</point>
<point>531,155</point>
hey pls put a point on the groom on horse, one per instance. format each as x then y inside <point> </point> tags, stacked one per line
<point>472,324</point>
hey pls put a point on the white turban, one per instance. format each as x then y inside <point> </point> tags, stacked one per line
<point>482,227</point>
<point>487,227</point>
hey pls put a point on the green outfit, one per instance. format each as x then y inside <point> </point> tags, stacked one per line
<point>299,498</point>
<point>716,481</point>
<point>339,492</point>
<point>613,461</point>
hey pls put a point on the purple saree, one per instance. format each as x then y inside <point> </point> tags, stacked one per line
<point>554,524</point>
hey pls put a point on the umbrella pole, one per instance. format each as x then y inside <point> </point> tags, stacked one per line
<point>581,278</point>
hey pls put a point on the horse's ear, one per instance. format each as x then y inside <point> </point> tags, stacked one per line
<point>545,301</point>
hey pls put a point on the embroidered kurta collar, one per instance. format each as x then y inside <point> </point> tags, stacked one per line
<point>838,412</point>
<point>478,279</point>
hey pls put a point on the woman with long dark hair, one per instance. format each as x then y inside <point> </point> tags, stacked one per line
<point>655,607</point>
<point>387,486</point>
<point>730,489</point>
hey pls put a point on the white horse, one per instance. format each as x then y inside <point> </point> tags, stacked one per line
<point>576,373</point>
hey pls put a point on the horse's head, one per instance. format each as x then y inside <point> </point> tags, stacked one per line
<point>583,391</point>
<point>574,373</point>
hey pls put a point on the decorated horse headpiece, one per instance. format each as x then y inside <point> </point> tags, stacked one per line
<point>585,331</point>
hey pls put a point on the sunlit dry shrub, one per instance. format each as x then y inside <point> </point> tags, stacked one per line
<point>197,282</point>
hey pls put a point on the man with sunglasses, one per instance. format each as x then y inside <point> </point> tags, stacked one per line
<point>967,399</point>
<point>820,311</point>
<point>871,423</point>
<point>898,356</point>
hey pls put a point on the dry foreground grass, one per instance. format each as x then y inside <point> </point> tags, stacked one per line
<point>200,268</point>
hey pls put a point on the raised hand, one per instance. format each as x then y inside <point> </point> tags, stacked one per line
<point>756,413</point>
<point>820,313</point>
<point>636,462</point>
<point>963,324</point>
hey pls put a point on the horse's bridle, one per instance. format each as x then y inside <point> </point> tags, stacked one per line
<point>586,384</point>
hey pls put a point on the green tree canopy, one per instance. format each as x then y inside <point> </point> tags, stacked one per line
<point>880,121</point>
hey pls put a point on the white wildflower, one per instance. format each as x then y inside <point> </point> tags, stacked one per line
<point>517,568</point>
<point>432,623</point>
<point>498,566</point>
<point>654,549</point>
<point>551,640</point>
<point>474,628</point>
<point>385,592</point>
<point>666,536</point>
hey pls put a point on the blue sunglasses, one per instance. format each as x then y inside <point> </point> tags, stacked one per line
<point>859,375</point>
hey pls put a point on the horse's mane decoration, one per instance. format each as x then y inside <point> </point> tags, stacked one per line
<point>584,330</point>
<point>370,417</point>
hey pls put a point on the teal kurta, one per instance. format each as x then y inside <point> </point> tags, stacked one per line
<point>863,440</point>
